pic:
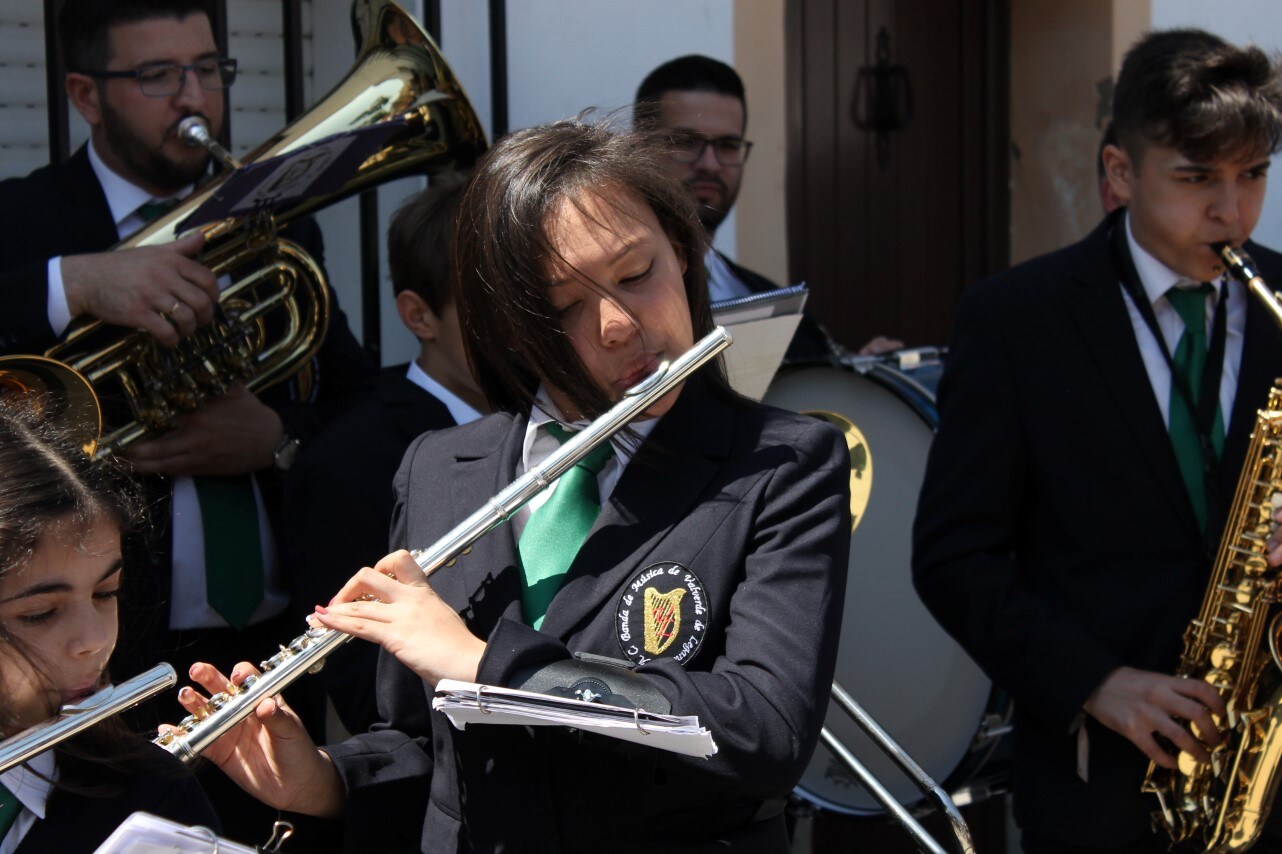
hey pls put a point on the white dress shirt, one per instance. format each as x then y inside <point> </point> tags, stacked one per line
<point>1157,279</point>
<point>31,784</point>
<point>541,444</point>
<point>723,284</point>
<point>460,410</point>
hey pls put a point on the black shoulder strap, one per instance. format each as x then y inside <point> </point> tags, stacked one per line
<point>1209,393</point>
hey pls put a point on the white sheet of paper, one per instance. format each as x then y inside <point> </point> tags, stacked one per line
<point>459,702</point>
<point>144,833</point>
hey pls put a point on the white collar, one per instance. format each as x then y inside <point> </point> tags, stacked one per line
<point>123,196</point>
<point>1156,277</point>
<point>32,782</point>
<point>460,410</point>
<point>545,411</point>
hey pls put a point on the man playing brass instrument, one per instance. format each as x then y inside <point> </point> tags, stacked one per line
<point>136,69</point>
<point>1093,421</point>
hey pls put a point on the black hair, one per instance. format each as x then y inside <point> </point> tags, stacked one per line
<point>504,257</point>
<point>418,241</point>
<point>690,73</point>
<point>1192,91</point>
<point>83,25</point>
<point>50,484</point>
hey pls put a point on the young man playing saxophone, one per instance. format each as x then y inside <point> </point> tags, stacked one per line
<point>1068,520</point>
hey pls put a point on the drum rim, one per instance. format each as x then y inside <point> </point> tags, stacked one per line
<point>921,400</point>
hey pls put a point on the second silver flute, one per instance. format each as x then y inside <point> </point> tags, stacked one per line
<point>307,652</point>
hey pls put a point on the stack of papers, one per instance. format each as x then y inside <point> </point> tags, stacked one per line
<point>762,325</point>
<point>469,703</point>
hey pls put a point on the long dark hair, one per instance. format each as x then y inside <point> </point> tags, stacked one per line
<point>503,254</point>
<point>47,482</point>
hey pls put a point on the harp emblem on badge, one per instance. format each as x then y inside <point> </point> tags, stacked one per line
<point>662,618</point>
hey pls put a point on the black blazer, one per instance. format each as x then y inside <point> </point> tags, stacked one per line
<point>161,787</point>
<point>60,209</point>
<point>338,509</point>
<point>809,343</point>
<point>752,504</point>
<point>1054,537</point>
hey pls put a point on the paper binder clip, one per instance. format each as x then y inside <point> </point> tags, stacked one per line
<point>281,831</point>
<point>636,719</point>
<point>207,834</point>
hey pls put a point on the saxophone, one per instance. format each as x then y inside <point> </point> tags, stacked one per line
<point>1233,644</point>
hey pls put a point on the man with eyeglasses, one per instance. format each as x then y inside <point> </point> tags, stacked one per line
<point>136,68</point>
<point>696,104</point>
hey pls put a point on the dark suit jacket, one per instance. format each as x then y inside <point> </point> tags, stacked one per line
<point>809,343</point>
<point>60,209</point>
<point>750,500</point>
<point>1054,537</point>
<point>162,786</point>
<point>338,510</point>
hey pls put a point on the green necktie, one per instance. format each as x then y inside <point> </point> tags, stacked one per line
<point>555,532</point>
<point>233,546</point>
<point>154,210</point>
<point>1189,362</point>
<point>9,809</point>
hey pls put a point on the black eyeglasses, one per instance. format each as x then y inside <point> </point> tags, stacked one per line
<point>689,147</point>
<point>162,79</point>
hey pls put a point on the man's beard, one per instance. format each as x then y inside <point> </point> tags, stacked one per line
<point>711,216</point>
<point>153,167</point>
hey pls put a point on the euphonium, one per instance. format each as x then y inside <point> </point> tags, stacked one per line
<point>307,652</point>
<point>270,323</point>
<point>1233,645</point>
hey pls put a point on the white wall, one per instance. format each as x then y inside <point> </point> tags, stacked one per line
<point>563,56</point>
<point>1238,21</point>
<point>567,55</point>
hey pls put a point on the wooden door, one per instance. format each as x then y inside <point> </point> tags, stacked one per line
<point>888,226</point>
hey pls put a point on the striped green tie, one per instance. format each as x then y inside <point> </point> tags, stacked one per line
<point>555,532</point>
<point>1189,362</point>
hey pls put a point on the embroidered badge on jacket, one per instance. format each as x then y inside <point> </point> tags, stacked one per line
<point>662,610</point>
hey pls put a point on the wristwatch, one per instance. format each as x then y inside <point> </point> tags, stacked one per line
<point>283,457</point>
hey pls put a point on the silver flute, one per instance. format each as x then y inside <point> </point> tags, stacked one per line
<point>307,652</point>
<point>77,717</point>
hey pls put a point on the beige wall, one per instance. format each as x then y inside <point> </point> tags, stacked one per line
<point>761,234</point>
<point>1064,57</point>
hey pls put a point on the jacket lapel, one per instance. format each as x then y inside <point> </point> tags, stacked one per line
<point>482,469</point>
<point>1103,322</point>
<point>85,216</point>
<point>658,490</point>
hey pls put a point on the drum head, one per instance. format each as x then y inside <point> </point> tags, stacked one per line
<point>894,659</point>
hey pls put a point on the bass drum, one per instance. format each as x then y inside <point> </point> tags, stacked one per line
<point>893,658</point>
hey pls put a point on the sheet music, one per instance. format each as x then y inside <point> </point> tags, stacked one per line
<point>144,833</point>
<point>677,733</point>
<point>763,325</point>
